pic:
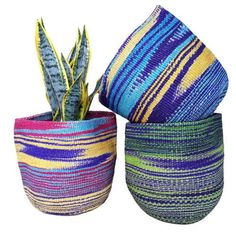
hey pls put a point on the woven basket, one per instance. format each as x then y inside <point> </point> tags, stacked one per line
<point>163,73</point>
<point>66,167</point>
<point>174,171</point>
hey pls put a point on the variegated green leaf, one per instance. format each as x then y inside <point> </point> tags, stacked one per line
<point>67,69</point>
<point>91,96</point>
<point>72,53</point>
<point>82,57</point>
<point>52,63</point>
<point>42,23</point>
<point>71,101</point>
<point>51,95</point>
<point>96,89</point>
<point>84,100</point>
<point>57,115</point>
<point>71,57</point>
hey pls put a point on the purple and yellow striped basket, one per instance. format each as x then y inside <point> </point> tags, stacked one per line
<point>67,168</point>
<point>163,73</point>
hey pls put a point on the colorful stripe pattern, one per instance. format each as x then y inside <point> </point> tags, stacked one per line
<point>163,73</point>
<point>174,171</point>
<point>66,167</point>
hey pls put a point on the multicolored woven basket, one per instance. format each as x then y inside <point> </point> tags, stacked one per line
<point>66,167</point>
<point>163,73</point>
<point>174,171</point>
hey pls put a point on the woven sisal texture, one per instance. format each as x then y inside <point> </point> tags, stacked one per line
<point>163,73</point>
<point>174,171</point>
<point>66,167</point>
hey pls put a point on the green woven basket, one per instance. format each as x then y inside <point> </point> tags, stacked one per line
<point>174,171</point>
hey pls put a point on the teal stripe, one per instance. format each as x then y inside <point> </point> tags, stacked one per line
<point>63,131</point>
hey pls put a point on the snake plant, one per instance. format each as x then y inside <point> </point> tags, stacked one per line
<point>65,77</point>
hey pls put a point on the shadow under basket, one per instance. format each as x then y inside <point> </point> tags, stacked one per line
<point>66,167</point>
<point>174,171</point>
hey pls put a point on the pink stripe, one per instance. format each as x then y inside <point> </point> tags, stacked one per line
<point>36,125</point>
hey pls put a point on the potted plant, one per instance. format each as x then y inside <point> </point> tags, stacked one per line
<point>67,156</point>
<point>168,84</point>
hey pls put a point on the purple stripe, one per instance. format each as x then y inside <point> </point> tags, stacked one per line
<point>51,154</point>
<point>170,92</point>
<point>173,174</point>
<point>170,202</point>
<point>162,111</point>
<point>61,145</point>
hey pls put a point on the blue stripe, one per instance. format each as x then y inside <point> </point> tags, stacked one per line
<point>141,48</point>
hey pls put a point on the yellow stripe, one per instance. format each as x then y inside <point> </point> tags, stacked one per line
<point>198,68</point>
<point>128,48</point>
<point>154,86</point>
<point>39,163</point>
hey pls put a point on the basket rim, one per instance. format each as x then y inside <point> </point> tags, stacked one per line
<point>93,116</point>
<point>214,116</point>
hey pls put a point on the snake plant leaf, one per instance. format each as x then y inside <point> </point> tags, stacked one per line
<point>71,101</point>
<point>82,57</point>
<point>84,100</point>
<point>91,96</point>
<point>71,57</point>
<point>67,69</point>
<point>42,23</point>
<point>57,115</point>
<point>96,89</point>
<point>51,95</point>
<point>73,51</point>
<point>52,63</point>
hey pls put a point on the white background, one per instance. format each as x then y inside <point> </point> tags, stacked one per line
<point>22,93</point>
